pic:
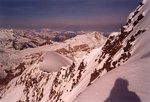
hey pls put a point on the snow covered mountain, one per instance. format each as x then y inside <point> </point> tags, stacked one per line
<point>23,39</point>
<point>124,57</point>
<point>130,82</point>
<point>14,46</point>
<point>73,48</point>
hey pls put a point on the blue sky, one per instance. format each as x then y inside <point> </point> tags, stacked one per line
<point>101,15</point>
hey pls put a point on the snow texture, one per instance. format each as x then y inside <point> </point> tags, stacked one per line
<point>116,72</point>
<point>52,61</point>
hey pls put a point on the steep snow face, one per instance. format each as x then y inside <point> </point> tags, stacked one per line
<point>66,84</point>
<point>131,78</point>
<point>111,86</point>
<point>52,61</point>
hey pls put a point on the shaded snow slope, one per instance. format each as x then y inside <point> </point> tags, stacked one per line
<point>135,73</point>
<point>52,61</point>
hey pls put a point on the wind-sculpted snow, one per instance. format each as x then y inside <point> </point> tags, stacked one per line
<point>69,82</point>
<point>53,61</point>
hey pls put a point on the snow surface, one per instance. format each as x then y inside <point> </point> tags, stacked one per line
<point>135,73</point>
<point>53,61</point>
<point>128,83</point>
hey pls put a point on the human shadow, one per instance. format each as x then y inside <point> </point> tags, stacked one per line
<point>121,93</point>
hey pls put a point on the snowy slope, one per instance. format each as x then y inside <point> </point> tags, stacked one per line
<point>113,84</point>
<point>75,47</point>
<point>53,61</point>
<point>83,76</point>
<point>133,76</point>
<point>14,62</point>
<point>81,44</point>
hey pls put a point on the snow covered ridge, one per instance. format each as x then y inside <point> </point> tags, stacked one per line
<point>68,83</point>
<point>81,44</point>
<point>13,50</point>
<point>75,47</point>
<point>23,39</point>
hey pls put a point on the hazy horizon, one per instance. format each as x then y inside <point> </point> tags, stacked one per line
<point>75,15</point>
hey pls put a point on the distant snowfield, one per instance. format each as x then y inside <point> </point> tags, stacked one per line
<point>53,62</point>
